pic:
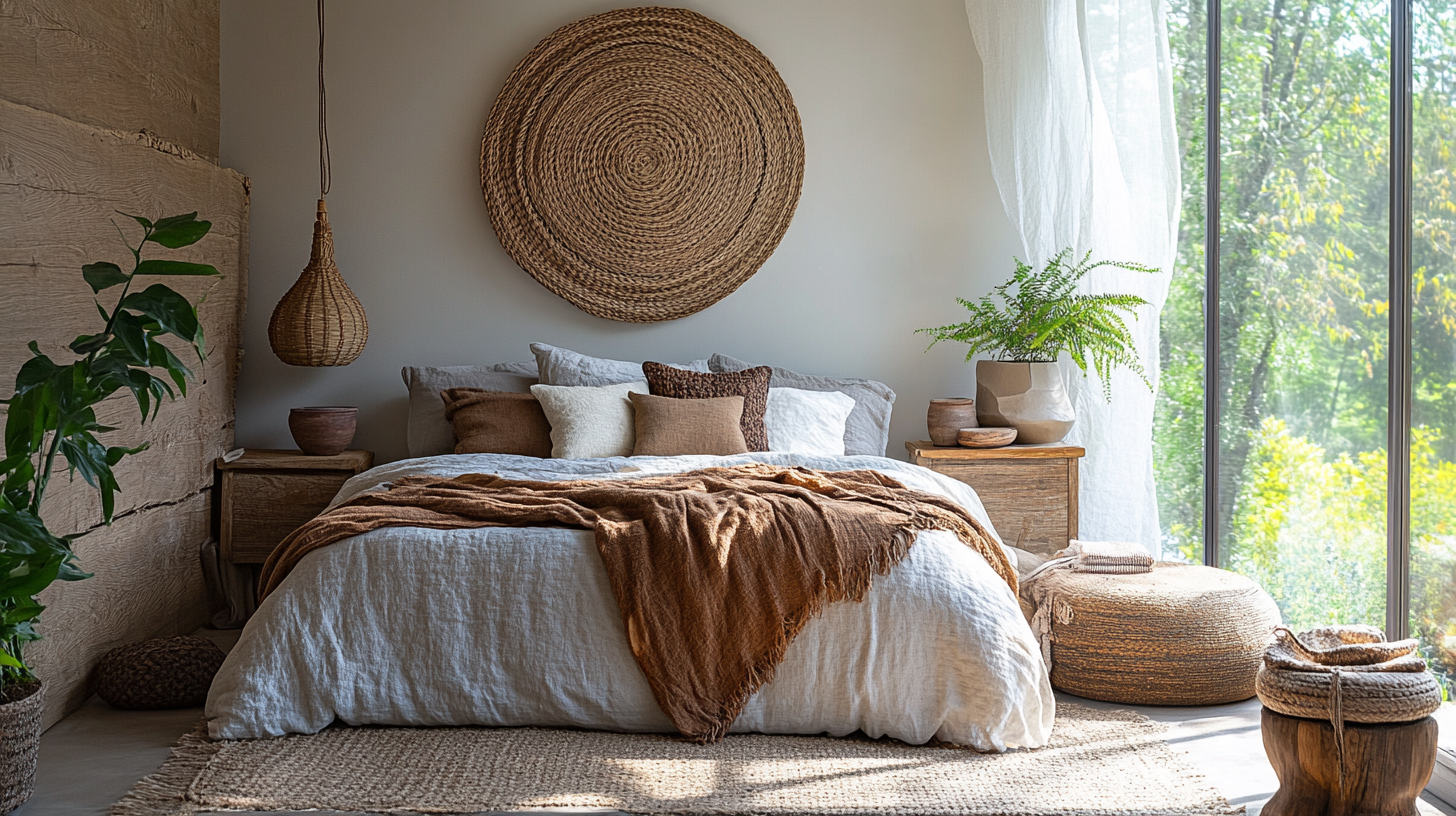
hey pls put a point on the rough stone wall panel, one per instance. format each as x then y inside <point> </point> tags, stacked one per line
<point>60,183</point>
<point>128,65</point>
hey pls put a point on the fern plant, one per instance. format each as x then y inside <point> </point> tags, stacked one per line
<point>1043,316</point>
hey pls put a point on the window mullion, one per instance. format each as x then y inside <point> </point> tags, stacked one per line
<point>1212,182</point>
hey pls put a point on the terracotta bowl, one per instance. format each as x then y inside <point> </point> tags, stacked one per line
<point>323,431</point>
<point>986,437</point>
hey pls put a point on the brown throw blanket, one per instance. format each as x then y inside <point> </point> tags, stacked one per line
<point>715,570</point>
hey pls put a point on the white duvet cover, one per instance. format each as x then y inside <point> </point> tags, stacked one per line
<point>516,627</point>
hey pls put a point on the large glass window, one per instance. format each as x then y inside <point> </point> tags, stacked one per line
<point>1304,308</point>
<point>1433,323</point>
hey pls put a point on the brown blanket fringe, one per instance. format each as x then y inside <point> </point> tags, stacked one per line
<point>715,571</point>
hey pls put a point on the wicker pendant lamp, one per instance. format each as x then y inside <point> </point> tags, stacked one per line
<point>319,322</point>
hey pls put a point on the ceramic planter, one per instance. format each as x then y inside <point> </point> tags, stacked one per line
<point>1029,397</point>
<point>19,745</point>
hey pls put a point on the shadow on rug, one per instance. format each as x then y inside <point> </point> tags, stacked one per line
<point>1098,762</point>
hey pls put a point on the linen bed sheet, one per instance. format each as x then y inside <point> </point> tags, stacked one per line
<point>518,627</point>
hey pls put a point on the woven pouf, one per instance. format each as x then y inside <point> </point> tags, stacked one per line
<point>161,673</point>
<point>1178,635</point>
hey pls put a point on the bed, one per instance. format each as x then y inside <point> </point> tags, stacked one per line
<point>518,627</point>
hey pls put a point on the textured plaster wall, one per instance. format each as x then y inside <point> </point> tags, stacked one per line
<point>899,212</point>
<point>114,106</point>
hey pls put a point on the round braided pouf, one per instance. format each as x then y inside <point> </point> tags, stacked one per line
<point>642,163</point>
<point>1178,635</point>
<point>173,672</point>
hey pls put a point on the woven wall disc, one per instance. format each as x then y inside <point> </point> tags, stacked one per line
<point>642,163</point>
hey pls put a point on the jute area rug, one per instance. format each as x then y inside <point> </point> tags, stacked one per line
<point>1098,762</point>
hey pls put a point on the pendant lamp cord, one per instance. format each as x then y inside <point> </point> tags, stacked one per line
<point>325,171</point>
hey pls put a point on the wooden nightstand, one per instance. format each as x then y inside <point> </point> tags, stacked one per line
<point>1030,491</point>
<point>267,494</point>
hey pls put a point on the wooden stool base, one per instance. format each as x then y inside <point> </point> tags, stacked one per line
<point>1387,765</point>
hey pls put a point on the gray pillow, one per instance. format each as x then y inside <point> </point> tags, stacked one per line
<point>429,432</point>
<point>559,366</point>
<point>866,432</point>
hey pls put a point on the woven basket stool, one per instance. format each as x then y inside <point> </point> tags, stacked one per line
<point>1178,635</point>
<point>1346,722</point>
<point>161,673</point>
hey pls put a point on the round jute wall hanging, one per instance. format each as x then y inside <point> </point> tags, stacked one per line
<point>642,163</point>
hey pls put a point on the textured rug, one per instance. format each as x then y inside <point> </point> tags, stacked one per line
<point>1098,762</point>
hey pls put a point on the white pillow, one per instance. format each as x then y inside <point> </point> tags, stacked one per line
<point>590,422</point>
<point>808,422</point>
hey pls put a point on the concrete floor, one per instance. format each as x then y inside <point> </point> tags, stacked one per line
<point>93,757</point>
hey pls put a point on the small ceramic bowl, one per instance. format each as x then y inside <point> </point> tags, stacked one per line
<point>323,430</point>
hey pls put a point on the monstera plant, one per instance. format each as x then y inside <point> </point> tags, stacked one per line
<point>51,423</point>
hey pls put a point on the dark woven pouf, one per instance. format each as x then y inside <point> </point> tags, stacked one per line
<point>170,672</point>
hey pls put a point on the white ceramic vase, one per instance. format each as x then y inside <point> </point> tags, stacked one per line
<point>1029,397</point>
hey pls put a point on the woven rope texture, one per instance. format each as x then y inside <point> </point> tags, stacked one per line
<point>19,745</point>
<point>160,673</point>
<point>1347,673</point>
<point>1179,635</point>
<point>642,163</point>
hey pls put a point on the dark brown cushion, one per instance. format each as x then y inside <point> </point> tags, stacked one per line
<point>497,422</point>
<point>667,426</point>
<point>751,384</point>
<point>173,672</point>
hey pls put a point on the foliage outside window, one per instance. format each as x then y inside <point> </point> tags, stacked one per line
<point>1304,310</point>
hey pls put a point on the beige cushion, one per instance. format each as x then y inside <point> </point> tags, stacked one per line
<point>497,422</point>
<point>751,385</point>
<point>667,426</point>
<point>590,422</point>
<point>866,432</point>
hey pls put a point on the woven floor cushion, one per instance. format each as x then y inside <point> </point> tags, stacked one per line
<point>1178,635</point>
<point>173,672</point>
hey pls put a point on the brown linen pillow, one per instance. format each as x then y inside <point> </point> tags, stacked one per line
<point>497,422</point>
<point>668,426</point>
<point>751,384</point>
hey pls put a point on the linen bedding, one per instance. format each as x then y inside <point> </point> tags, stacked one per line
<point>518,626</point>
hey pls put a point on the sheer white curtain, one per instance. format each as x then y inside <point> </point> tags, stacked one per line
<point>1079,114</point>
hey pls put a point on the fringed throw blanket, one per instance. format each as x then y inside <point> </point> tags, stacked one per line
<point>715,570</point>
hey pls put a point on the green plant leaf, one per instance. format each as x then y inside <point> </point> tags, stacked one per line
<point>137,218</point>
<point>87,343</point>
<point>172,312</point>
<point>133,337</point>
<point>156,267</point>
<point>103,275</point>
<point>179,231</point>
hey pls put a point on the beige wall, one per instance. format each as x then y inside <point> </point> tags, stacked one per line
<point>89,106</point>
<point>899,213</point>
<point>128,65</point>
